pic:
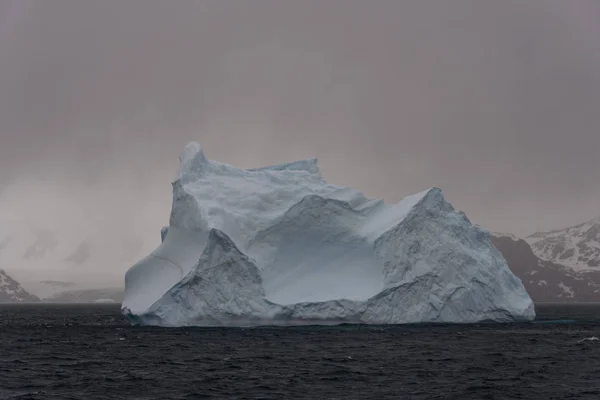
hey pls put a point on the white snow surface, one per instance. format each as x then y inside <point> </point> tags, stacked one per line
<point>280,245</point>
<point>507,235</point>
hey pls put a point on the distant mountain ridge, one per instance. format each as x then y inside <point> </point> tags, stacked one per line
<point>576,247</point>
<point>12,292</point>
<point>88,296</point>
<point>28,246</point>
<point>47,262</point>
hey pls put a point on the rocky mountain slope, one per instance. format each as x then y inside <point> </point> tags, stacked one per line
<point>546,281</point>
<point>12,292</point>
<point>576,247</point>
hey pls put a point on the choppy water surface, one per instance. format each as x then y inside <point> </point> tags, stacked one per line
<point>88,352</point>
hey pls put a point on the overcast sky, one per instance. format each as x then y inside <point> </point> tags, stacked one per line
<point>496,102</point>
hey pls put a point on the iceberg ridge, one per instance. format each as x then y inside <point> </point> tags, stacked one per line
<point>280,245</point>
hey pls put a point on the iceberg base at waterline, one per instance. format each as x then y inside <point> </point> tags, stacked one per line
<point>281,246</point>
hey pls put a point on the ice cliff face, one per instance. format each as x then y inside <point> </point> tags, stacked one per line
<point>279,245</point>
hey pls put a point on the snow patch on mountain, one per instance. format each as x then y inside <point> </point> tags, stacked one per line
<point>506,235</point>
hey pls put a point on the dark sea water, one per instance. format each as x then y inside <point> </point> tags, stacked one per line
<point>88,352</point>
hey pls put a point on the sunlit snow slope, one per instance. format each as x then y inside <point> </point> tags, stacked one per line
<point>281,245</point>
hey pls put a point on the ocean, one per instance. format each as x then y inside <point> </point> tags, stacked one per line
<point>89,352</point>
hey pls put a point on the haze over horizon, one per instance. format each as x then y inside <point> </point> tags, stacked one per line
<point>495,102</point>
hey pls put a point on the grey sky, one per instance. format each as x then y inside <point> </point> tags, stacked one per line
<point>496,102</point>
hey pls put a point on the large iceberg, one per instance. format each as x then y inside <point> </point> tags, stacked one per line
<point>280,245</point>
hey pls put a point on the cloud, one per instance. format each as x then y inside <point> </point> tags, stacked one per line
<point>495,102</point>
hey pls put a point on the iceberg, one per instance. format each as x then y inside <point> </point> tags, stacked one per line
<point>279,246</point>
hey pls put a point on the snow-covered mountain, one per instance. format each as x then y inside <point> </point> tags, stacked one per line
<point>577,247</point>
<point>547,281</point>
<point>12,292</point>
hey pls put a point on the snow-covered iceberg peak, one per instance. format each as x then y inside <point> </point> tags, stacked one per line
<point>193,163</point>
<point>279,245</point>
